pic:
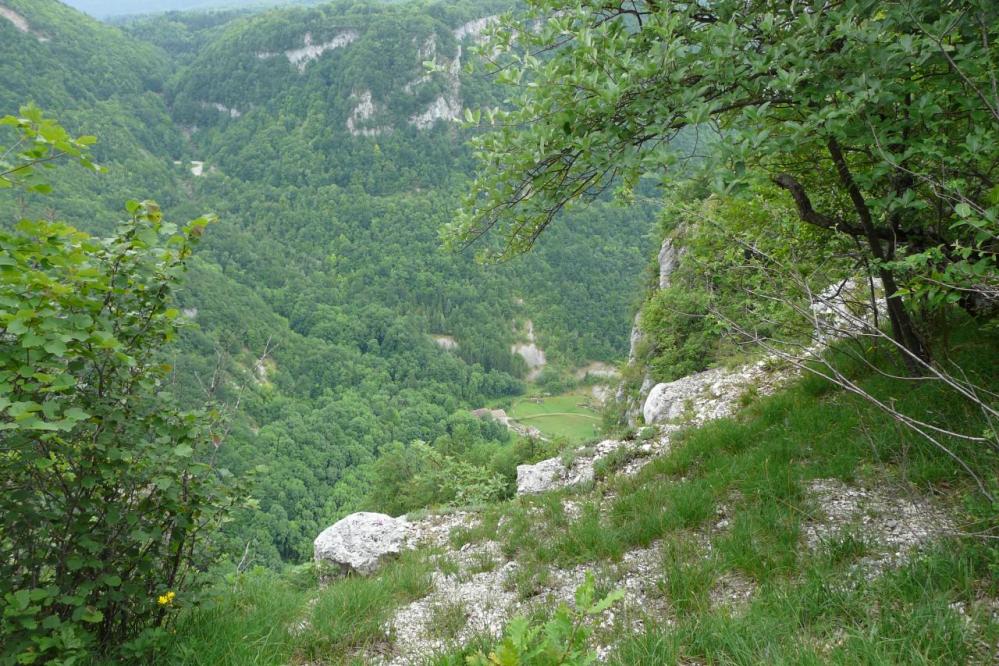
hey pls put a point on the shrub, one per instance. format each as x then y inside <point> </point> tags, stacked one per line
<point>562,641</point>
<point>106,488</point>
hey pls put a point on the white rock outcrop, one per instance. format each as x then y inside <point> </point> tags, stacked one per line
<point>232,112</point>
<point>361,542</point>
<point>445,342</point>
<point>21,23</point>
<point>301,57</point>
<point>474,29</point>
<point>363,111</point>
<point>669,259</point>
<point>448,106</point>
<point>845,308</point>
<point>842,309</point>
<point>533,355</point>
<point>711,394</point>
<point>553,473</point>
<point>443,108</point>
<point>549,475</point>
<point>601,393</point>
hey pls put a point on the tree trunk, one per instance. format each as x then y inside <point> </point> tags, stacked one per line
<point>903,329</point>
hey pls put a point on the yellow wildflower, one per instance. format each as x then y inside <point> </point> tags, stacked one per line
<point>165,599</point>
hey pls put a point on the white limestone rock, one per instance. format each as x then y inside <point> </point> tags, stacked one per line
<point>553,473</point>
<point>301,57</point>
<point>364,110</point>
<point>669,259</point>
<point>474,29</point>
<point>533,355</point>
<point>443,108</point>
<point>846,308</point>
<point>445,342</point>
<point>21,23</point>
<point>713,394</point>
<point>361,542</point>
<point>447,107</point>
<point>223,109</point>
<point>541,477</point>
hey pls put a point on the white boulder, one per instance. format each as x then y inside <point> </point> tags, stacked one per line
<point>360,542</point>
<point>541,477</point>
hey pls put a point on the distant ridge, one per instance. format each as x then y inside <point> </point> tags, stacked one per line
<point>105,9</point>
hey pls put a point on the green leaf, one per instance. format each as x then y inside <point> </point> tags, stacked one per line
<point>22,408</point>
<point>89,614</point>
<point>605,603</point>
<point>75,414</point>
<point>55,347</point>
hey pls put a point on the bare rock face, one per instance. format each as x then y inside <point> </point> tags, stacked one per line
<point>474,29</point>
<point>361,542</point>
<point>846,308</point>
<point>673,400</point>
<point>712,394</point>
<point>635,339</point>
<point>553,473</point>
<point>532,354</point>
<point>669,259</point>
<point>445,342</point>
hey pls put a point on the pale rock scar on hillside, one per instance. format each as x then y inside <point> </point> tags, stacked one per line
<point>445,342</point>
<point>475,28</point>
<point>447,106</point>
<point>533,355</point>
<point>364,110</point>
<point>21,23</point>
<point>223,109</point>
<point>301,57</point>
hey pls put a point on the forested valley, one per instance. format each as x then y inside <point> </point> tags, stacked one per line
<point>637,326</point>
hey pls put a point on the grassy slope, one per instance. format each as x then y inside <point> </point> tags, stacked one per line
<point>808,606</point>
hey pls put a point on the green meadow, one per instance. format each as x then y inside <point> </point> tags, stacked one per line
<point>573,415</point>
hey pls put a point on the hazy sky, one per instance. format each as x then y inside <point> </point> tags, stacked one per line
<point>107,8</point>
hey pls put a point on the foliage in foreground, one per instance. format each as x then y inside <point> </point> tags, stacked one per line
<point>106,488</point>
<point>561,641</point>
<point>877,119</point>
